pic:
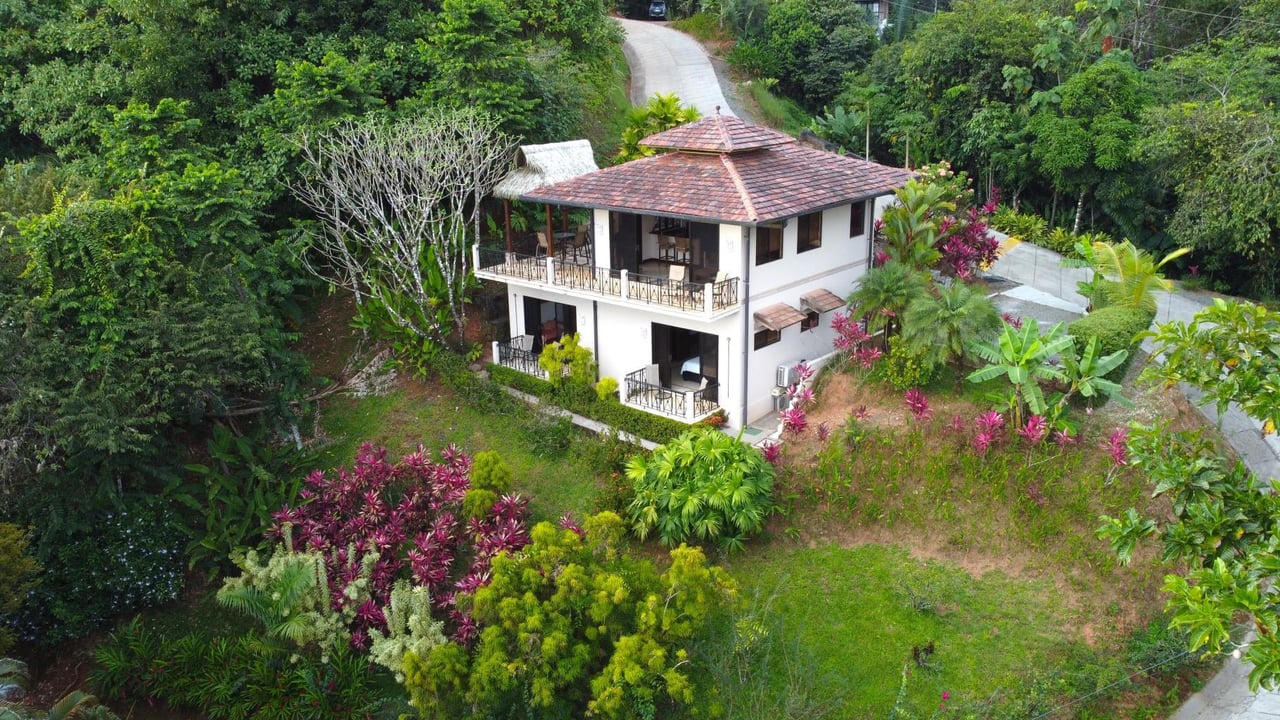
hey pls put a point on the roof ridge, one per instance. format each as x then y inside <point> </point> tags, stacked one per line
<point>724,131</point>
<point>727,161</point>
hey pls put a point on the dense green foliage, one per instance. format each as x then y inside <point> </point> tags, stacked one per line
<point>571,626</point>
<point>228,678</point>
<point>152,270</point>
<point>1116,328</point>
<point>1156,126</point>
<point>703,486</point>
<point>18,568</point>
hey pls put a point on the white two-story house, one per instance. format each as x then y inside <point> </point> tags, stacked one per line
<point>703,269</point>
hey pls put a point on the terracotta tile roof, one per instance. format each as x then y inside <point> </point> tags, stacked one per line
<point>778,316</point>
<point>743,187</point>
<point>822,300</point>
<point>718,133</point>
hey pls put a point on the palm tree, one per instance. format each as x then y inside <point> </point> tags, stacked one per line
<point>883,294</point>
<point>940,327</point>
<point>1135,273</point>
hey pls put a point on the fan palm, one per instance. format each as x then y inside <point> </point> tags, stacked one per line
<point>939,327</point>
<point>884,293</point>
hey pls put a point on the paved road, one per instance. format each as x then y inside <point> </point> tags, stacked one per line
<point>663,60</point>
<point>1042,280</point>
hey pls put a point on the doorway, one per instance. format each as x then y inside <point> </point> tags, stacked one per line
<point>685,358</point>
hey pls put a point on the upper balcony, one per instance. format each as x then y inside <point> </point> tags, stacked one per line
<point>667,284</point>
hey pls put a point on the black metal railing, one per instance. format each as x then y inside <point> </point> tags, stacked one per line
<point>662,291</point>
<point>588,277</point>
<point>652,397</point>
<point>501,262</point>
<point>705,400</point>
<point>724,294</point>
<point>512,356</point>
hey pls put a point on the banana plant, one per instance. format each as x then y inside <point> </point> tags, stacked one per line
<point>1087,373</point>
<point>1023,356</point>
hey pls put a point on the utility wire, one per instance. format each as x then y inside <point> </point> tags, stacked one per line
<point>1103,689</point>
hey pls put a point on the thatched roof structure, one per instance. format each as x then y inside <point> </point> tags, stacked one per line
<point>541,165</point>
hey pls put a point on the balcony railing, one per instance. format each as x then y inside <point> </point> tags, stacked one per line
<point>708,297</point>
<point>518,355</point>
<point>640,390</point>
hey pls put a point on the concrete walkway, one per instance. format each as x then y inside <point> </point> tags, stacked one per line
<point>1035,269</point>
<point>663,60</point>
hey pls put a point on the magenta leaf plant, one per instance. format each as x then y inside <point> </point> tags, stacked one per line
<point>794,420</point>
<point>918,404</point>
<point>1035,430</point>
<point>408,512</point>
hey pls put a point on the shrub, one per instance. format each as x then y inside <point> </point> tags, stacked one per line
<point>247,478</point>
<point>607,389</point>
<point>490,479</point>
<point>119,559</point>
<point>408,513</point>
<point>594,633</point>
<point>903,369</point>
<point>548,434</point>
<point>1025,227</point>
<point>1116,329</point>
<point>567,362</point>
<point>704,485</point>
<point>18,570</point>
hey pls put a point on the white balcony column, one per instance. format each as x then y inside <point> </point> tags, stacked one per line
<point>689,410</point>
<point>497,356</point>
<point>475,257</point>
<point>551,270</point>
<point>623,275</point>
<point>708,297</point>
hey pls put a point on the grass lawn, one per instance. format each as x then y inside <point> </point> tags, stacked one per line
<point>415,413</point>
<point>856,609</point>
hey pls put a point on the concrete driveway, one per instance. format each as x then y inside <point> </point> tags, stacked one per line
<point>663,60</point>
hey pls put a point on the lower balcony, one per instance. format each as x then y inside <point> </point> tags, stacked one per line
<point>518,354</point>
<point>643,390</point>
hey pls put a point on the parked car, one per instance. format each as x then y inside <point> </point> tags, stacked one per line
<point>658,10</point>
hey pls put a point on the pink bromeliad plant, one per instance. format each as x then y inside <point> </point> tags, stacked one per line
<point>410,513</point>
<point>801,396</point>
<point>989,422</point>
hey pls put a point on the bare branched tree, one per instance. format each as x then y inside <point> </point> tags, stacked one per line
<point>399,204</point>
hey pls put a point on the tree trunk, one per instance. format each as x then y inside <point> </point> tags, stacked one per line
<point>1075,228</point>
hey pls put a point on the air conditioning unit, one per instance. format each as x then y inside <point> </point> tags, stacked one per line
<point>786,376</point>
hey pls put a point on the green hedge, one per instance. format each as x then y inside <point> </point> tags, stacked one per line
<point>585,403</point>
<point>1116,329</point>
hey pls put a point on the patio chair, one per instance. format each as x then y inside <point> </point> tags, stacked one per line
<point>720,292</point>
<point>580,241</point>
<point>543,248</point>
<point>682,250</point>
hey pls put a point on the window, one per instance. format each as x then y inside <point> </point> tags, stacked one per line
<point>857,219</point>
<point>809,232</point>
<point>768,244</point>
<point>810,321</point>
<point>766,337</point>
